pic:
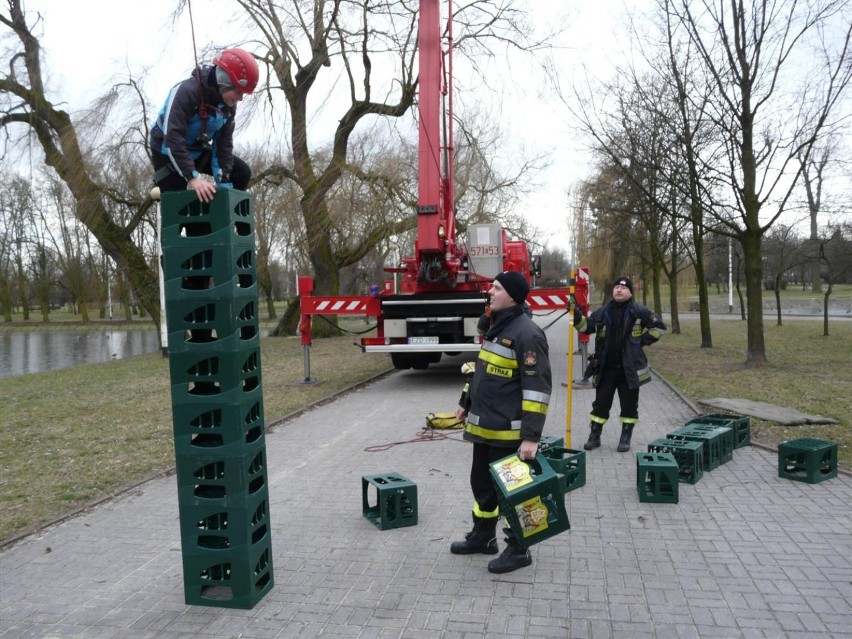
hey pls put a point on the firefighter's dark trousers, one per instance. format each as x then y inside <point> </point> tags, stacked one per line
<point>610,381</point>
<point>484,491</point>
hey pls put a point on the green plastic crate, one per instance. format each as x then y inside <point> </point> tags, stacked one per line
<point>395,505</point>
<point>711,443</point>
<point>807,460</point>
<point>726,439</point>
<point>657,478</point>
<point>569,464</point>
<point>530,498</point>
<point>185,218</point>
<point>689,456</point>
<point>741,425</point>
<point>229,578</point>
<point>549,442</point>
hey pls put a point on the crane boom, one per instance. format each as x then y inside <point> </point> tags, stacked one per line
<point>443,289</point>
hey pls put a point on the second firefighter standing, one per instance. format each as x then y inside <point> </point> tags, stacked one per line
<point>623,329</point>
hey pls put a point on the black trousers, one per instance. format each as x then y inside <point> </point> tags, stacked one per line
<point>240,173</point>
<point>610,381</point>
<point>481,483</point>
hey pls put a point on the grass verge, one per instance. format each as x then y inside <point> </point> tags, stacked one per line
<point>71,436</point>
<point>805,371</point>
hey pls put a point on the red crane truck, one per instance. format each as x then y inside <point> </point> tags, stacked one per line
<point>442,290</point>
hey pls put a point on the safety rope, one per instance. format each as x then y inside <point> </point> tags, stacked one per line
<point>427,434</point>
<point>202,108</point>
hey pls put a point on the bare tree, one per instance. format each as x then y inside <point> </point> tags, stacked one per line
<point>836,253</point>
<point>24,107</point>
<point>767,109</point>
<point>782,253</point>
<point>815,168</point>
<point>371,48</point>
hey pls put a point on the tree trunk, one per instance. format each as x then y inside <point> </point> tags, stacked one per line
<point>658,298</point>
<point>5,299</point>
<point>778,297</point>
<point>701,282</point>
<point>675,323</point>
<point>756,351</point>
<point>289,322</point>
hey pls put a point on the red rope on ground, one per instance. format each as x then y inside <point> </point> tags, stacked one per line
<point>425,435</point>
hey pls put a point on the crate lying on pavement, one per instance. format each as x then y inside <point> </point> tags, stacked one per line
<point>569,465</point>
<point>657,478</point>
<point>718,442</point>
<point>395,503</point>
<point>807,460</point>
<point>740,424</point>
<point>689,456</point>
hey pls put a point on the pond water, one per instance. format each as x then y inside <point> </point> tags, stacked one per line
<point>24,352</point>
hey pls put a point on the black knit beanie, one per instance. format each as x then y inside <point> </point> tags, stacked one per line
<point>624,281</point>
<point>515,284</point>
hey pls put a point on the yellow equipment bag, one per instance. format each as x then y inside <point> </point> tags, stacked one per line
<point>444,421</point>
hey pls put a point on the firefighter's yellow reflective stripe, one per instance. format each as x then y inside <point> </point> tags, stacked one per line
<point>536,396</point>
<point>494,435</point>
<point>596,419</point>
<point>473,418</point>
<point>534,407</point>
<point>583,323</point>
<point>644,374</point>
<point>638,330</point>
<point>498,349</point>
<point>656,332</point>
<point>485,514</point>
<point>466,387</point>
<point>498,355</point>
<point>499,372</point>
<point>629,420</point>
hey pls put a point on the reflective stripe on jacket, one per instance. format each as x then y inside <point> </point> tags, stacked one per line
<point>509,394</point>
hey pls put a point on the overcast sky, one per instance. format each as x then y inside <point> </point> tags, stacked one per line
<point>90,44</point>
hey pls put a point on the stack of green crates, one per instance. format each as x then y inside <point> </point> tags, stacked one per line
<point>717,443</point>
<point>740,424</point>
<point>217,399</point>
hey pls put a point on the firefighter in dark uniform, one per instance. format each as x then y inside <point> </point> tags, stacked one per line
<point>623,329</point>
<point>504,406</point>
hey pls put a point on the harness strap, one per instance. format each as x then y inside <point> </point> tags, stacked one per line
<point>163,172</point>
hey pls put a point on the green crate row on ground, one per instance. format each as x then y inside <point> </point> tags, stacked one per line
<point>805,370</point>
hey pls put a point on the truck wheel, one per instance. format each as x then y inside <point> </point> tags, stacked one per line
<point>421,362</point>
<point>400,362</point>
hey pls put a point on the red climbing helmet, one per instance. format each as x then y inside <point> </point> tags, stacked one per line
<point>241,68</point>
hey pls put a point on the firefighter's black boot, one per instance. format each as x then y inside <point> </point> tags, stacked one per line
<point>482,539</point>
<point>512,558</point>
<point>626,434</point>
<point>594,436</point>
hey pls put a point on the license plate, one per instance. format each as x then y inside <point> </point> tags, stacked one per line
<point>423,339</point>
